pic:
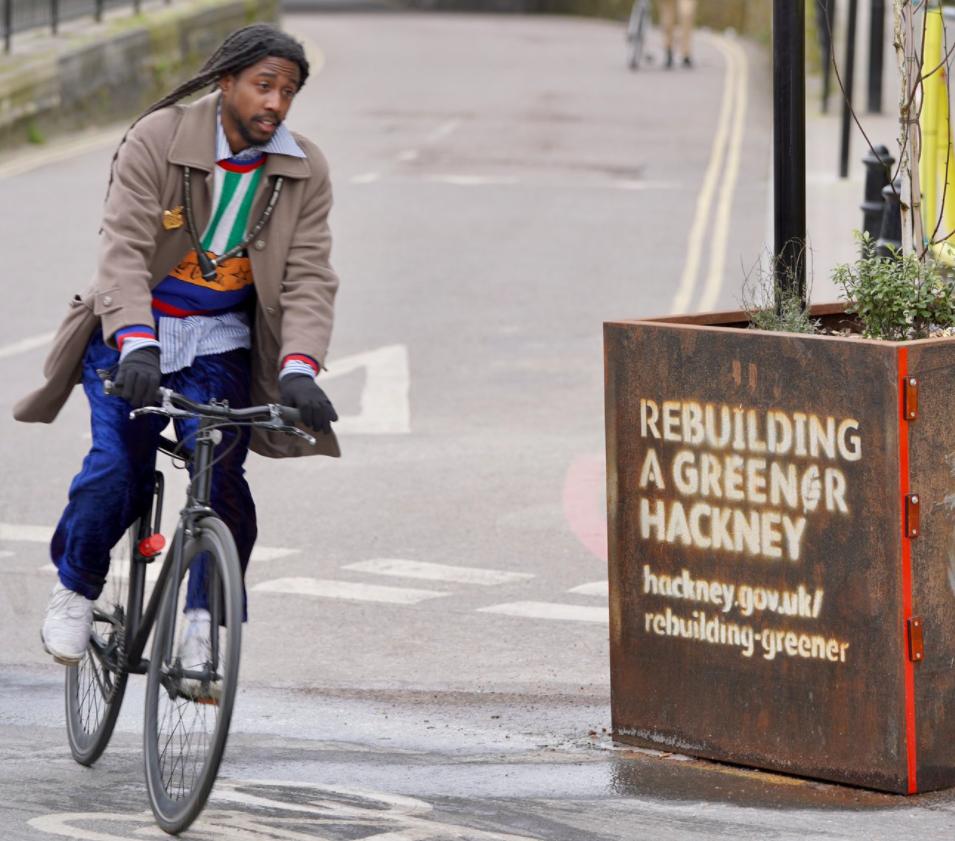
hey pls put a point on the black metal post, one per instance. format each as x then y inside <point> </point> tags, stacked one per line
<point>789,145</point>
<point>825,18</point>
<point>878,172</point>
<point>55,16</point>
<point>98,14</point>
<point>137,5</point>
<point>876,56</point>
<point>889,243</point>
<point>848,81</point>
<point>7,24</point>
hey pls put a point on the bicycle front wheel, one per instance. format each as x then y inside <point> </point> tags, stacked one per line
<point>95,686</point>
<point>189,704</point>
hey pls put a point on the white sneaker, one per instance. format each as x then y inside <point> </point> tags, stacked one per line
<point>195,652</point>
<point>68,624</point>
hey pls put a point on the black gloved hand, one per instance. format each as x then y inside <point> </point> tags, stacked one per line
<point>301,392</point>
<point>138,377</point>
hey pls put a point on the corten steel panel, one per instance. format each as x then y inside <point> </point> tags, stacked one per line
<point>932,475</point>
<point>839,718</point>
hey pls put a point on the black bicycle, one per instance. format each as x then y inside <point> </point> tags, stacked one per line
<point>188,704</point>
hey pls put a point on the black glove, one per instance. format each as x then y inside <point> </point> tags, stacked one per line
<point>301,392</point>
<point>138,377</point>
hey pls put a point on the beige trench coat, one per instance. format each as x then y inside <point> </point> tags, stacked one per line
<point>294,282</point>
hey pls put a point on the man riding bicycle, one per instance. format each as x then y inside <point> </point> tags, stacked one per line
<point>214,280</point>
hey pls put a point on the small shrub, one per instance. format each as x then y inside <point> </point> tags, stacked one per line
<point>774,305</point>
<point>896,297</point>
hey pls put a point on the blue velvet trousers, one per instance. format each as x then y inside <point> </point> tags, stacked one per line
<point>116,481</point>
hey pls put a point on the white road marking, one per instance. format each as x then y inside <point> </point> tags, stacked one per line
<point>473,180</point>
<point>438,572</point>
<point>347,590</point>
<point>27,534</point>
<point>385,409</point>
<point>43,534</point>
<point>6,553</point>
<point>717,260</point>
<point>263,810</point>
<point>408,155</point>
<point>26,345</point>
<point>271,553</point>
<point>443,131</point>
<point>366,178</point>
<point>698,230</point>
<point>594,588</point>
<point>120,572</point>
<point>550,610</point>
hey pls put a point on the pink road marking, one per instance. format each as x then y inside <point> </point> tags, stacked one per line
<point>585,502</point>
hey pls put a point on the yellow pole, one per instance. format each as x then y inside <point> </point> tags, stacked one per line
<point>946,159</point>
<point>928,163</point>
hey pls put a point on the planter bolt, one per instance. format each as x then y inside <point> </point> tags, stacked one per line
<point>878,165</point>
<point>890,234</point>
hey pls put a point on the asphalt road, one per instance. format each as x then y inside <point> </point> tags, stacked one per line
<point>427,650</point>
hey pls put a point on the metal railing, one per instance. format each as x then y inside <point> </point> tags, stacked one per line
<point>17,16</point>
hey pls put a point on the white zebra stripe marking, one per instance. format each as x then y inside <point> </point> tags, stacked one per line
<point>438,572</point>
<point>347,590</point>
<point>43,534</point>
<point>26,534</point>
<point>594,588</point>
<point>550,610</point>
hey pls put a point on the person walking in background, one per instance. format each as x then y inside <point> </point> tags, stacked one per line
<point>674,14</point>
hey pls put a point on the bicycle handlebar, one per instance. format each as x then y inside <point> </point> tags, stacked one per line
<point>271,415</point>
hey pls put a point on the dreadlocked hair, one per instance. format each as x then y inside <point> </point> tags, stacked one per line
<point>241,49</point>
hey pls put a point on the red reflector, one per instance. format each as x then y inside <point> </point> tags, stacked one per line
<point>151,546</point>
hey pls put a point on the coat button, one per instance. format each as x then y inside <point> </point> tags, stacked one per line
<point>259,245</point>
<point>107,300</point>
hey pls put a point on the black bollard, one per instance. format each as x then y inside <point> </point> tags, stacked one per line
<point>878,172</point>
<point>889,242</point>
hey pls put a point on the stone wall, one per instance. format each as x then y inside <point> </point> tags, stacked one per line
<point>115,69</point>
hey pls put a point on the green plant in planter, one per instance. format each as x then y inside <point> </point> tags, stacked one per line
<point>897,297</point>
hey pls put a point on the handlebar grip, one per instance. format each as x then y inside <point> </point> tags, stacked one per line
<point>290,415</point>
<point>109,388</point>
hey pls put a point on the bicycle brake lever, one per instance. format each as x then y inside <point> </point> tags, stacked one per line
<point>292,430</point>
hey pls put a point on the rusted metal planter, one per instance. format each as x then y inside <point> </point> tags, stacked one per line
<point>782,549</point>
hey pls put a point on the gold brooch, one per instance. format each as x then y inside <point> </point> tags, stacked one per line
<point>172,219</point>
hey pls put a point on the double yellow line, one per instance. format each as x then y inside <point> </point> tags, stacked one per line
<point>720,179</point>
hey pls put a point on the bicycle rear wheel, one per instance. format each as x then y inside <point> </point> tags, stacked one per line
<point>95,686</point>
<point>188,709</point>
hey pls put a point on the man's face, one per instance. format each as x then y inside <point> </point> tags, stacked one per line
<point>256,100</point>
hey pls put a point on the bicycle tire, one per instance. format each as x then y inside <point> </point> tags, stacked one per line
<point>95,686</point>
<point>173,718</point>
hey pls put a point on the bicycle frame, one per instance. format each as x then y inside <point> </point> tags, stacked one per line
<point>139,623</point>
